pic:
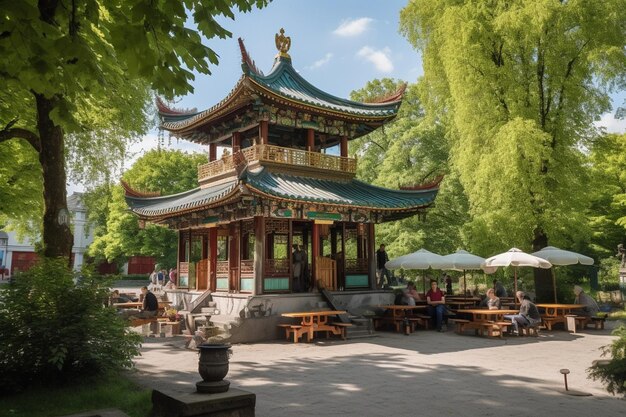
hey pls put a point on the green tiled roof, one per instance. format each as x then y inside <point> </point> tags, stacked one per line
<point>188,200</point>
<point>285,81</point>
<point>267,184</point>
<point>351,193</point>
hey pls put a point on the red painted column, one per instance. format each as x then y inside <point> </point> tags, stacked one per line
<point>343,146</point>
<point>212,152</point>
<point>236,142</point>
<point>212,258</point>
<point>259,253</point>
<point>264,132</point>
<point>310,140</point>
<point>315,252</point>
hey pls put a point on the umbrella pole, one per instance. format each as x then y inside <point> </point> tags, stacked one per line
<point>464,287</point>
<point>554,285</point>
<point>515,281</point>
<point>424,283</point>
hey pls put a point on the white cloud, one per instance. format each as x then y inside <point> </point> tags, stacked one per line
<point>380,58</point>
<point>321,62</point>
<point>353,27</point>
<point>611,124</point>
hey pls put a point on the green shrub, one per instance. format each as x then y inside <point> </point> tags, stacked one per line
<point>52,329</point>
<point>613,373</point>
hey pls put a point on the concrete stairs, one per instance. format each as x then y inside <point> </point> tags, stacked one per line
<point>361,327</point>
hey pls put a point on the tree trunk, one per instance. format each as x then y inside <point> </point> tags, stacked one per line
<point>57,236</point>
<point>543,277</point>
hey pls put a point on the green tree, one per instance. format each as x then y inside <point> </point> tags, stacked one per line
<point>607,212</point>
<point>81,69</point>
<point>522,83</point>
<point>118,234</point>
<point>409,151</point>
<point>519,85</point>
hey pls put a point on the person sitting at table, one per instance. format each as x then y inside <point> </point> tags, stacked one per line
<point>410,294</point>
<point>491,301</point>
<point>528,315</point>
<point>591,307</point>
<point>149,308</point>
<point>436,301</point>
<point>499,289</point>
<point>116,297</point>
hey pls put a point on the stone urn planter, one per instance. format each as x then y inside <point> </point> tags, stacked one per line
<point>213,367</point>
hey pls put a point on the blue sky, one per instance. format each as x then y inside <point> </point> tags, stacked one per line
<point>337,45</point>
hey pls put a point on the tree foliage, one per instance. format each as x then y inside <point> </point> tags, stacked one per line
<point>607,188</point>
<point>76,75</point>
<point>118,235</point>
<point>518,85</point>
<point>412,150</point>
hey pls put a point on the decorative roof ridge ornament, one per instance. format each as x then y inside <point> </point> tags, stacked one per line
<point>283,43</point>
<point>165,109</point>
<point>388,98</point>
<point>131,192</point>
<point>425,185</point>
<point>247,63</point>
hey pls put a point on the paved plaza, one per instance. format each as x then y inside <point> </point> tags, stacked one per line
<point>424,374</point>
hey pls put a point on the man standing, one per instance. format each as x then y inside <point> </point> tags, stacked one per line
<point>297,262</point>
<point>381,260</point>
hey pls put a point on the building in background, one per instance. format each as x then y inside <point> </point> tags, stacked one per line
<point>19,255</point>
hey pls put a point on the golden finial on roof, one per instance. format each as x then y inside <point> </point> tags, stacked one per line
<point>283,43</point>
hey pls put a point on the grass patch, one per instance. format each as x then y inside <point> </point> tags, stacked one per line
<point>92,393</point>
<point>617,315</point>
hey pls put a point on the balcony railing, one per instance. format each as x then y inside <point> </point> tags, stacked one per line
<point>278,155</point>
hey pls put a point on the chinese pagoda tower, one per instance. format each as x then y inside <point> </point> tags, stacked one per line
<point>278,213</point>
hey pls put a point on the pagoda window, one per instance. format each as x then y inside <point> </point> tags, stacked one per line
<point>356,262</point>
<point>222,248</point>
<point>247,246</point>
<point>194,253</point>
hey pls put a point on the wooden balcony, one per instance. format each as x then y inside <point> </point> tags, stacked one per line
<point>277,155</point>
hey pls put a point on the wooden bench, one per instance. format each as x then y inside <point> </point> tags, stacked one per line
<point>460,324</point>
<point>134,322</point>
<point>342,327</point>
<point>292,328</point>
<point>548,322</point>
<point>421,319</point>
<point>598,322</point>
<point>396,322</point>
<point>529,331</point>
<point>582,321</point>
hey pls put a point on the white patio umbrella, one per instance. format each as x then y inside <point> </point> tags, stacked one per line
<point>421,259</point>
<point>462,260</point>
<point>558,256</point>
<point>516,258</point>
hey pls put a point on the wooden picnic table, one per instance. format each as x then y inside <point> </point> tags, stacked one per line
<point>484,320</point>
<point>312,322</point>
<point>460,304</point>
<point>396,315</point>
<point>557,313</point>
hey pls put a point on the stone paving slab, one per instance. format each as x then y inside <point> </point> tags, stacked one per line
<point>426,374</point>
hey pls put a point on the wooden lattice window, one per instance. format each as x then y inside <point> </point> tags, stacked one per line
<point>279,226</point>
